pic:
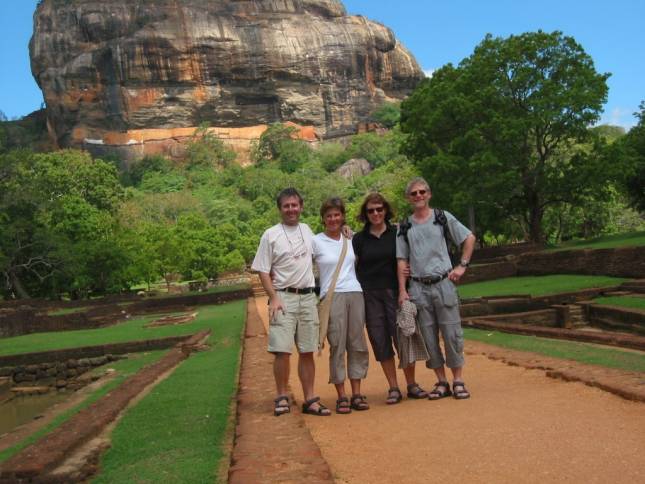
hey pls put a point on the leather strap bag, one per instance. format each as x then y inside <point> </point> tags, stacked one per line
<point>324,307</point>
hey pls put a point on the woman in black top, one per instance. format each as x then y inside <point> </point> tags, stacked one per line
<point>375,249</point>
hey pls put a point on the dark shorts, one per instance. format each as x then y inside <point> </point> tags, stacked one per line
<point>380,319</point>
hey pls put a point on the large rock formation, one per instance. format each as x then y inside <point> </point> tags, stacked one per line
<point>140,75</point>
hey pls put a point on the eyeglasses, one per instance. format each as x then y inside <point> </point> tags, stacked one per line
<point>375,210</point>
<point>418,192</point>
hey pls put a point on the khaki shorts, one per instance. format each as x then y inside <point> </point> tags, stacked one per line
<point>297,324</point>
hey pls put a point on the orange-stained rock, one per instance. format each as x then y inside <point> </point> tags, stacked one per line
<point>137,77</point>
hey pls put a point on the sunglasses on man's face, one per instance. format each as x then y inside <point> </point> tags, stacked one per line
<point>418,192</point>
<point>375,210</point>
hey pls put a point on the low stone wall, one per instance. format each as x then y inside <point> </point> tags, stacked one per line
<point>56,356</point>
<point>488,272</point>
<point>616,318</point>
<point>617,262</point>
<point>497,251</point>
<point>542,317</point>
<point>54,374</point>
<point>31,320</point>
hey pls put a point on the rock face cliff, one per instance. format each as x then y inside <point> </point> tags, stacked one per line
<point>139,75</point>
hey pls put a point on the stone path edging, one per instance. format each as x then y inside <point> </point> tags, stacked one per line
<point>622,340</point>
<point>34,462</point>
<point>268,448</point>
<point>626,384</point>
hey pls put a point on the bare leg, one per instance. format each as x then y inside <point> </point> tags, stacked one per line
<point>307,373</point>
<point>281,372</point>
<point>457,373</point>
<point>409,373</point>
<point>356,386</point>
<point>389,369</point>
<point>441,373</point>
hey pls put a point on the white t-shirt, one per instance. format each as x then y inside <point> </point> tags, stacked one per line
<point>326,254</point>
<point>286,251</point>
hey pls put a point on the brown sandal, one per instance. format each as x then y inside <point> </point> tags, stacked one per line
<point>342,406</point>
<point>394,396</point>
<point>437,394</point>
<point>282,405</point>
<point>359,402</point>
<point>321,411</point>
<point>459,390</point>
<point>415,391</point>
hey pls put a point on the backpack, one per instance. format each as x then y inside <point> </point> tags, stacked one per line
<point>439,219</point>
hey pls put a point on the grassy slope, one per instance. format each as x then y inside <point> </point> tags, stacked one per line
<point>634,302</point>
<point>581,352</point>
<point>175,433</point>
<point>536,285</point>
<point>129,330</point>
<point>124,369</point>
<point>631,239</point>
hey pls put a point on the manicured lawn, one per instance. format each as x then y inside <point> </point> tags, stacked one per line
<point>176,433</point>
<point>630,239</point>
<point>63,311</point>
<point>536,285</point>
<point>124,368</point>
<point>581,352</point>
<point>635,302</point>
<point>129,330</point>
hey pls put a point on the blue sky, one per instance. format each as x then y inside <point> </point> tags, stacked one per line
<point>437,32</point>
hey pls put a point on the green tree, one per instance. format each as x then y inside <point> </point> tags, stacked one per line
<point>632,150</point>
<point>387,114</point>
<point>503,131</point>
<point>207,150</point>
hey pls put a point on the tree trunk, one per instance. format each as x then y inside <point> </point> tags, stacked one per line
<point>17,286</point>
<point>535,225</point>
<point>471,218</point>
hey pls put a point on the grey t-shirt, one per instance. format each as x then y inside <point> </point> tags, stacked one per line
<point>427,253</point>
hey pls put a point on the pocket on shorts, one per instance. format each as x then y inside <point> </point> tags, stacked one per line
<point>449,294</point>
<point>415,292</point>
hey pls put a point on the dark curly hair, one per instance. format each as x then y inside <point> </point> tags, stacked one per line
<point>375,197</point>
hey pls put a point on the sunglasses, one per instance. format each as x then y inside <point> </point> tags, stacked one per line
<point>375,210</point>
<point>418,192</point>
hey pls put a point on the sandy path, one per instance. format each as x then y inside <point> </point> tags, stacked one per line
<point>519,426</point>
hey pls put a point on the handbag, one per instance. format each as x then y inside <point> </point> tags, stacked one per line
<point>324,306</point>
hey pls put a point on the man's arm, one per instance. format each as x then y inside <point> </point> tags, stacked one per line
<point>402,273</point>
<point>275,303</point>
<point>466,253</point>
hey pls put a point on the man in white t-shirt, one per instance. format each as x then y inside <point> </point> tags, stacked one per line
<point>284,263</point>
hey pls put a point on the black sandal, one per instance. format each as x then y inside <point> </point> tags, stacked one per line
<point>321,411</point>
<point>282,405</point>
<point>394,396</point>
<point>460,394</point>
<point>415,391</point>
<point>359,402</point>
<point>437,394</point>
<point>343,409</point>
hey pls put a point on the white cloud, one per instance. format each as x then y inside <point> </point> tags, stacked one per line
<point>428,72</point>
<point>619,117</point>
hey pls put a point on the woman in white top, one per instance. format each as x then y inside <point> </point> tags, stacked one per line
<point>346,333</point>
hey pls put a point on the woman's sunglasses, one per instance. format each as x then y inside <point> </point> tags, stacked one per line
<point>418,192</point>
<point>375,210</point>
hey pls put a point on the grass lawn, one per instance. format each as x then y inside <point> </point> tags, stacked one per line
<point>124,369</point>
<point>63,311</point>
<point>129,330</point>
<point>570,350</point>
<point>536,285</point>
<point>176,432</point>
<point>630,239</point>
<point>634,302</point>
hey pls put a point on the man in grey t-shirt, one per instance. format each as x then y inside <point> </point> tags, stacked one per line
<point>432,284</point>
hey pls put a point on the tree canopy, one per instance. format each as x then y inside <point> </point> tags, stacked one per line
<point>506,131</point>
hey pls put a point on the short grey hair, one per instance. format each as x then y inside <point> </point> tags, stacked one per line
<point>416,181</point>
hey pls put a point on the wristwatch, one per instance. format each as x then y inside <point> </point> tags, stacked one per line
<point>464,263</point>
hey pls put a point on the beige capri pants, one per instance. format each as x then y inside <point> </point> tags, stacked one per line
<point>346,336</point>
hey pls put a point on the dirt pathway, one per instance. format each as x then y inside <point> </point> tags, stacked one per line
<point>519,426</point>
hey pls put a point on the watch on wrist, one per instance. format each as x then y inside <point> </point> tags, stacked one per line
<point>464,263</point>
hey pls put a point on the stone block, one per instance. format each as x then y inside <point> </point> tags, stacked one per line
<point>72,363</point>
<point>6,371</point>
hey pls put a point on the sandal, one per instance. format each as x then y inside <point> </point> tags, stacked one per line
<point>394,396</point>
<point>415,391</point>
<point>282,405</point>
<point>343,409</point>
<point>441,390</point>
<point>321,411</point>
<point>459,390</point>
<point>359,402</point>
